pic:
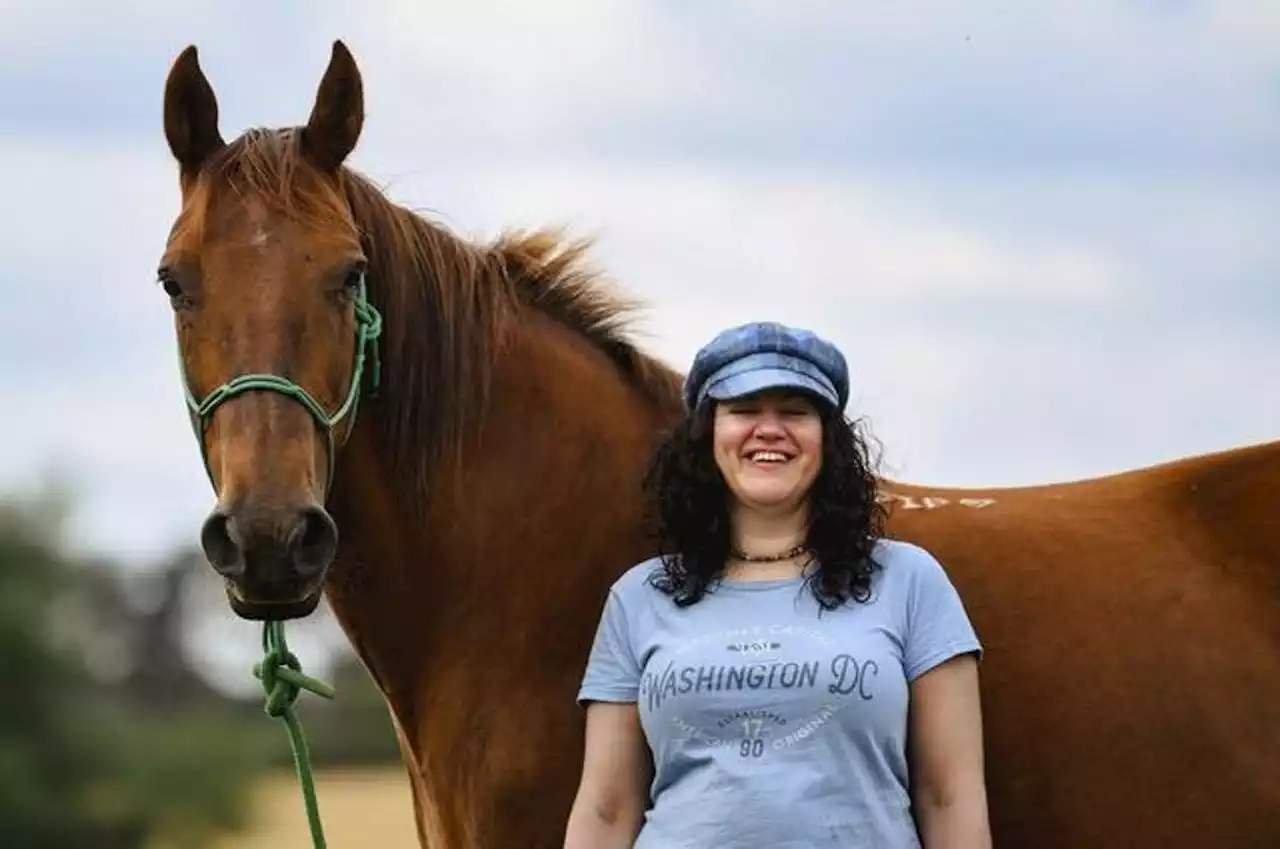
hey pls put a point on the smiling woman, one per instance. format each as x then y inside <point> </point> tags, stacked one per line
<point>778,637</point>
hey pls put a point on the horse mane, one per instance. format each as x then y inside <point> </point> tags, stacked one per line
<point>447,304</point>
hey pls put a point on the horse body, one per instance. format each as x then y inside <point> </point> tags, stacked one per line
<point>1132,688</point>
<point>489,494</point>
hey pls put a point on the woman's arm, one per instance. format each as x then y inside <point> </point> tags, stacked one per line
<point>609,808</point>
<point>949,783</point>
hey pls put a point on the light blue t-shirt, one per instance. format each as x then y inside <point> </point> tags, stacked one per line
<point>774,723</point>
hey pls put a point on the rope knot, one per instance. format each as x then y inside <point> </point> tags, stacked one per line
<point>281,673</point>
<point>281,694</point>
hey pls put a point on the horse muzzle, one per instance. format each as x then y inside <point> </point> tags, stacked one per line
<point>272,559</point>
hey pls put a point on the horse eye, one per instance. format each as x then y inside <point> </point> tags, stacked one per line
<point>355,276</point>
<point>167,279</point>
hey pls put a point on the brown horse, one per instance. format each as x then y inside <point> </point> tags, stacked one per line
<point>487,495</point>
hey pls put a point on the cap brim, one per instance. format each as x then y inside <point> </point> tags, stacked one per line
<point>761,380</point>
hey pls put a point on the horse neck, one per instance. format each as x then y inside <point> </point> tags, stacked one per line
<point>553,470</point>
<point>448,591</point>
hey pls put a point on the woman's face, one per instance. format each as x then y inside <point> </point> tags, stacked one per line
<point>768,448</point>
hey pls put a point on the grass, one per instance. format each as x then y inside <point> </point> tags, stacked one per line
<point>357,807</point>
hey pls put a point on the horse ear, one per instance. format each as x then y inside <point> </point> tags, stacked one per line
<point>338,115</point>
<point>190,113</point>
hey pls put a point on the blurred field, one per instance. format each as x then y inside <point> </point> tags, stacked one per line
<point>358,808</point>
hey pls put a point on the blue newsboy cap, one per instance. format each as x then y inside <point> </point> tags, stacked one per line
<point>767,355</point>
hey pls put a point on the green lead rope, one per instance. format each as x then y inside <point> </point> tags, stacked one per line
<point>282,680</point>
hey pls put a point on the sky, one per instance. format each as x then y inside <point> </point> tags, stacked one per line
<point>1043,234</point>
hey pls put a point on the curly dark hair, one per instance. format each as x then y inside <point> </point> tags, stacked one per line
<point>689,511</point>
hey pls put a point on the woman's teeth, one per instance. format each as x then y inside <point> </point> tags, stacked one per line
<point>768,457</point>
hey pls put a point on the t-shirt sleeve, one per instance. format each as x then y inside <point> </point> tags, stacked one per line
<point>612,674</point>
<point>938,627</point>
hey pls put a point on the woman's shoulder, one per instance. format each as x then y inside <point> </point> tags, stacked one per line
<point>906,562</point>
<point>637,581</point>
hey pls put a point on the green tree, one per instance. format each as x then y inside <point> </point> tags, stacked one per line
<point>81,763</point>
<point>48,760</point>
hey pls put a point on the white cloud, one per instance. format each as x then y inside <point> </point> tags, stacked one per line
<point>752,241</point>
<point>92,214</point>
<point>34,29</point>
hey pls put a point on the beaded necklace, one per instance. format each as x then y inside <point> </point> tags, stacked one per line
<point>794,551</point>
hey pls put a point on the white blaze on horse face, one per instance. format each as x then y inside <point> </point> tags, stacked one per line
<point>259,235</point>
<point>262,274</point>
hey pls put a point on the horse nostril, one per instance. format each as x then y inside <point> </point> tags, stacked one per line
<point>221,547</point>
<point>314,541</point>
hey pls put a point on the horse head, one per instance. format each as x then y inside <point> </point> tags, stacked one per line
<point>276,337</point>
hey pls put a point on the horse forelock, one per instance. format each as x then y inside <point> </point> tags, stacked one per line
<point>447,304</point>
<point>265,165</point>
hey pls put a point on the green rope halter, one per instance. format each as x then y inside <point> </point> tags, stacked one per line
<point>368,329</point>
